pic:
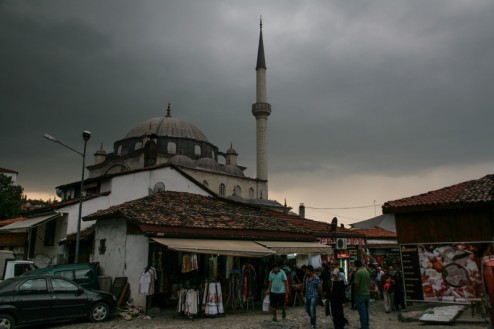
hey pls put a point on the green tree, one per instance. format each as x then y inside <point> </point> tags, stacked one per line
<point>10,198</point>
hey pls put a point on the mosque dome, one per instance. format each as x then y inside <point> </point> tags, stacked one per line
<point>183,161</point>
<point>208,164</point>
<point>167,126</point>
<point>233,170</point>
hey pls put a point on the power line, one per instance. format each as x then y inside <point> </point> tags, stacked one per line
<point>357,207</point>
<point>339,215</point>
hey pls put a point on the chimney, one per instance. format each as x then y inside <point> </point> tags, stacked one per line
<point>301,211</point>
<point>342,225</point>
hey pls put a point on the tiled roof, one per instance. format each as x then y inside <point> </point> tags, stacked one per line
<point>8,171</point>
<point>473,192</point>
<point>5,222</point>
<point>85,234</point>
<point>61,204</point>
<point>318,228</point>
<point>182,212</point>
<point>375,232</point>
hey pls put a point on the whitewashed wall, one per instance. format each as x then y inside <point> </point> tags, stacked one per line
<point>122,189</point>
<point>125,255</point>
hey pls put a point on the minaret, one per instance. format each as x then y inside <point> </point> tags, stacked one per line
<point>261,110</point>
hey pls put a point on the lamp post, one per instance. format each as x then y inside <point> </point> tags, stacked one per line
<point>85,136</point>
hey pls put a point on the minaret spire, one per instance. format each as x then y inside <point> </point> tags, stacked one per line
<point>261,110</point>
<point>261,61</point>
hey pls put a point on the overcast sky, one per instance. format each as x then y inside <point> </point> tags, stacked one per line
<point>371,101</point>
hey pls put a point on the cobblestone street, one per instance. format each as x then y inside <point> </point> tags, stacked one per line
<point>296,318</point>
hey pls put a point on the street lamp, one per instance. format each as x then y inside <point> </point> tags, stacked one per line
<point>85,136</point>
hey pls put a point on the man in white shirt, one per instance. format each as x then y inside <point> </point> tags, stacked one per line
<point>378,282</point>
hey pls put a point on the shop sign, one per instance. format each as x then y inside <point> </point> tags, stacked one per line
<point>343,255</point>
<point>443,272</point>
<point>350,241</point>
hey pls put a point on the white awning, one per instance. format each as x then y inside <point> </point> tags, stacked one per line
<point>381,242</point>
<point>286,247</point>
<point>26,224</point>
<point>239,248</point>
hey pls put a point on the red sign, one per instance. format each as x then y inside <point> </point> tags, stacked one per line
<point>343,255</point>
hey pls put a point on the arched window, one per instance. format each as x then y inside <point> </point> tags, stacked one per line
<point>119,151</point>
<point>238,190</point>
<point>197,150</point>
<point>171,148</point>
<point>251,193</point>
<point>222,189</point>
<point>137,146</point>
<point>205,183</point>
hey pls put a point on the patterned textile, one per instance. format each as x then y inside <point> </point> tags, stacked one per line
<point>312,287</point>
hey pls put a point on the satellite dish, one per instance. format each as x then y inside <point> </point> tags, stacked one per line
<point>158,187</point>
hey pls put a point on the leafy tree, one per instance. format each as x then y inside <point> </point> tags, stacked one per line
<point>10,198</point>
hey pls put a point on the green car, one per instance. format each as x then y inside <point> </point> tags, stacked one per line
<point>84,274</point>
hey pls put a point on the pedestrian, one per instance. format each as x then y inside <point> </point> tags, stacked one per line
<point>342,275</point>
<point>351,287</point>
<point>388,282</point>
<point>399,292</point>
<point>326,285</point>
<point>379,285</point>
<point>277,291</point>
<point>362,282</point>
<point>337,300</point>
<point>313,289</point>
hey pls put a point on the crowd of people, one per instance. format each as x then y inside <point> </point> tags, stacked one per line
<point>328,286</point>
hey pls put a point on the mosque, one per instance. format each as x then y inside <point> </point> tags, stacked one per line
<point>168,141</point>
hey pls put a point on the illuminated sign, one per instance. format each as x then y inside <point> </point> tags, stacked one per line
<point>349,241</point>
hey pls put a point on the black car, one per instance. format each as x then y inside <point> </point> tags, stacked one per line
<point>26,300</point>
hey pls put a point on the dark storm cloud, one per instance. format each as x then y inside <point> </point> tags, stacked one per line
<point>356,87</point>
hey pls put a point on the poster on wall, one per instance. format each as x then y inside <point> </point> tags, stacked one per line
<point>443,272</point>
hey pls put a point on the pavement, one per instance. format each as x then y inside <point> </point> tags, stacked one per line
<point>296,319</point>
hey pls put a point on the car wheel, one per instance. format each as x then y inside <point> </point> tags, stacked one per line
<point>99,312</point>
<point>6,322</point>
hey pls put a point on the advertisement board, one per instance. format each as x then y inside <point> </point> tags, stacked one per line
<point>444,272</point>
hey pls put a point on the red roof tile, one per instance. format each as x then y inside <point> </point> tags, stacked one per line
<point>188,213</point>
<point>5,222</point>
<point>474,192</point>
<point>318,228</point>
<point>85,234</point>
<point>375,232</point>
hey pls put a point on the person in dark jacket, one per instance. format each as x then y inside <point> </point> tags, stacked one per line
<point>399,292</point>
<point>326,285</point>
<point>337,300</point>
<point>352,290</point>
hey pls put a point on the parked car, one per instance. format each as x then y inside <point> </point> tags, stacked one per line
<point>85,274</point>
<point>28,300</point>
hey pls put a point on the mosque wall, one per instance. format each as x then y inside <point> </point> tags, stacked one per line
<point>214,180</point>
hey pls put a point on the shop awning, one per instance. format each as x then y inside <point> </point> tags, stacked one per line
<point>239,248</point>
<point>26,224</point>
<point>286,247</point>
<point>12,239</point>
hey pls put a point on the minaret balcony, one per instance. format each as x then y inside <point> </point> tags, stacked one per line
<point>261,109</point>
